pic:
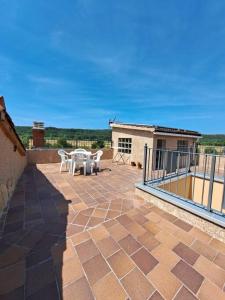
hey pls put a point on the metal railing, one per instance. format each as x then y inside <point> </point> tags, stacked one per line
<point>195,177</point>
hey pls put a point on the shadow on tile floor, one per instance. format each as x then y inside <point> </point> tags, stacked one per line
<point>33,240</point>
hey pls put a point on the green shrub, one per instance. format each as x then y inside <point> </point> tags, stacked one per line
<point>61,142</point>
<point>25,141</point>
<point>210,150</point>
<point>98,144</point>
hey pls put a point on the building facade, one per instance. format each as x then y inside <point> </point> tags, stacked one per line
<point>128,140</point>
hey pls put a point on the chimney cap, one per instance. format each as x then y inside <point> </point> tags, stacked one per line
<point>38,125</point>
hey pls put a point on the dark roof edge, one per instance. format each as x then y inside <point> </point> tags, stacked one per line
<point>162,129</point>
<point>7,116</point>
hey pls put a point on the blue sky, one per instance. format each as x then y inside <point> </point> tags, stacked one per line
<point>78,63</point>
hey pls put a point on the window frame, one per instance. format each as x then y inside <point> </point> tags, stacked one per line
<point>124,145</point>
<point>184,145</point>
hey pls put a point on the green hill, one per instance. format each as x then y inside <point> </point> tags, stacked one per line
<point>213,139</point>
<point>25,132</point>
<point>76,134</point>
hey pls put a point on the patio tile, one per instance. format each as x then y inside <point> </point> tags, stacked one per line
<point>137,286</point>
<point>204,249</point>
<point>62,251</point>
<point>184,293</point>
<point>44,242</point>
<point>129,244</point>
<point>80,288</point>
<point>15,294</point>
<point>200,235</point>
<point>121,263</point>
<point>81,219</point>
<point>144,237</point>
<point>152,227</point>
<point>168,227</point>
<point>165,256</point>
<point>115,206</point>
<point>80,237</point>
<point>12,227</point>
<point>12,254</point>
<point>93,221</point>
<point>151,243</point>
<point>210,271</point>
<point>144,260</point>
<point>73,229</point>
<point>186,253</point>
<point>86,250</point>
<point>165,282</point>
<point>112,214</point>
<point>168,239</point>
<point>208,290</point>
<point>12,277</point>
<point>103,206</point>
<point>100,213</point>
<point>156,296</point>
<point>124,220</point>
<point>218,245</point>
<point>95,269</point>
<point>107,246</point>
<point>109,288</point>
<point>220,260</point>
<point>80,206</point>
<point>183,225</point>
<point>184,237</point>
<point>135,229</point>
<point>169,217</point>
<point>69,271</point>
<point>30,239</point>
<point>39,276</point>
<point>98,233</point>
<point>118,232</point>
<point>49,291</point>
<point>87,212</point>
<point>139,218</point>
<point>153,217</point>
<point>189,276</point>
<point>110,223</point>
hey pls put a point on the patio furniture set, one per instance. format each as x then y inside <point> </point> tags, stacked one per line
<point>80,158</point>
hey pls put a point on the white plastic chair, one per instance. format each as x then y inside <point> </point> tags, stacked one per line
<point>79,159</point>
<point>95,163</point>
<point>80,150</point>
<point>64,160</point>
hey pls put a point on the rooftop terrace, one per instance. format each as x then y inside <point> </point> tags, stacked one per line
<point>91,237</point>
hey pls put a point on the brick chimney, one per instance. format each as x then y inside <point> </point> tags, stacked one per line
<point>38,132</point>
<point>2,103</point>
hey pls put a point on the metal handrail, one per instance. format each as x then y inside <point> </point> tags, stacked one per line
<point>161,165</point>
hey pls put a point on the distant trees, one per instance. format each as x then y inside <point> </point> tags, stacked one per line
<point>98,144</point>
<point>67,134</point>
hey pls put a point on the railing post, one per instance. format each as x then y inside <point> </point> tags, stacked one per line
<point>165,161</point>
<point>212,174</point>
<point>145,163</point>
<point>223,197</point>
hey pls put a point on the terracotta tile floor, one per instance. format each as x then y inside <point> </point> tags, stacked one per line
<point>90,237</point>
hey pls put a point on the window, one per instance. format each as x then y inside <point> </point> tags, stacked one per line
<point>124,145</point>
<point>182,146</point>
<point>161,144</point>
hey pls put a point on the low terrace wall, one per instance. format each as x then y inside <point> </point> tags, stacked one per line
<point>44,156</point>
<point>12,159</point>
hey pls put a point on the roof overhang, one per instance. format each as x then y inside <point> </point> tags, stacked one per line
<point>132,127</point>
<point>177,134</point>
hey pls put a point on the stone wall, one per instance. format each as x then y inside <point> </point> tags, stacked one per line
<point>12,164</point>
<point>44,156</point>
